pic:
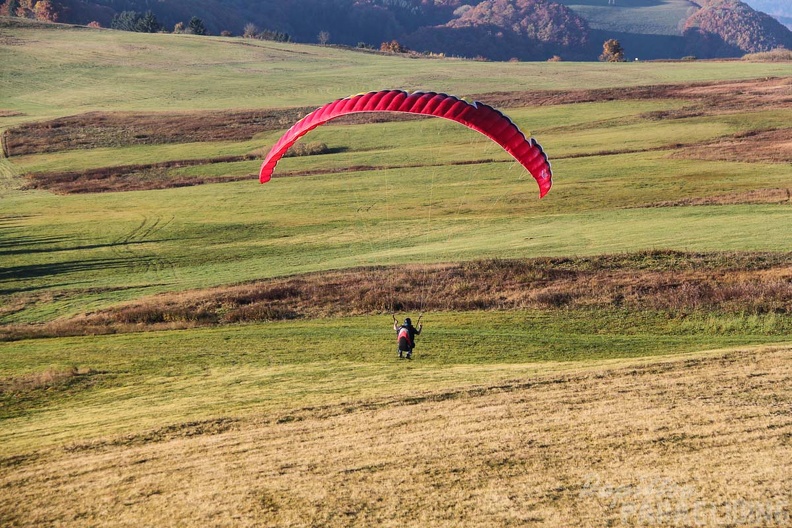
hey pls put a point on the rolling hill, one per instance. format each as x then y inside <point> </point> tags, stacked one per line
<point>492,29</point>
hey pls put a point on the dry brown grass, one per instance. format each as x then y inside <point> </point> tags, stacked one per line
<point>116,129</point>
<point>707,98</point>
<point>675,282</point>
<point>704,441</point>
<point>776,55</point>
<point>119,129</point>
<point>131,177</point>
<point>48,378</point>
<point>773,146</point>
<point>757,196</point>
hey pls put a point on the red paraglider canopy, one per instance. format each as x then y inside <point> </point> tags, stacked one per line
<point>477,116</point>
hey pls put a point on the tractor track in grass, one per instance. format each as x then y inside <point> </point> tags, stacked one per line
<point>125,247</point>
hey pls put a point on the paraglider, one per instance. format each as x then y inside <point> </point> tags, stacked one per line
<point>405,336</point>
<point>477,116</point>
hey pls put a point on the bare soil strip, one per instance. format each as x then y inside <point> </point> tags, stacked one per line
<point>712,97</point>
<point>158,175</point>
<point>121,129</point>
<point>131,177</point>
<point>660,443</point>
<point>117,129</point>
<point>679,283</point>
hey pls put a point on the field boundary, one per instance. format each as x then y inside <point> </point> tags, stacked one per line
<point>665,281</point>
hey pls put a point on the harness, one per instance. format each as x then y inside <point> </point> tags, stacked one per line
<point>405,334</point>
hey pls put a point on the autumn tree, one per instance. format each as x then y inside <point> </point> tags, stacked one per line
<point>393,47</point>
<point>25,9</point>
<point>612,51</point>
<point>45,10</point>
<point>9,8</point>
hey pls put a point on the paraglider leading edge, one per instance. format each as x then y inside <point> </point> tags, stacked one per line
<point>476,116</point>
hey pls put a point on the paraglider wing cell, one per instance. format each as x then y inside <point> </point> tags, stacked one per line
<point>477,116</point>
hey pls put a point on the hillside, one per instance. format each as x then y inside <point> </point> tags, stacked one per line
<point>781,9</point>
<point>739,26</point>
<point>493,29</point>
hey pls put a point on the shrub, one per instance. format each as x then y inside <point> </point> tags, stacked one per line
<point>393,47</point>
<point>307,149</point>
<point>250,30</point>
<point>612,51</point>
<point>776,55</point>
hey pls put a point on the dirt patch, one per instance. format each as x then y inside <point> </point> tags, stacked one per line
<point>769,146</point>
<point>710,98</point>
<point>674,282</point>
<point>706,99</point>
<point>40,380</point>
<point>131,177</point>
<point>122,129</point>
<point>119,129</point>
<point>159,176</point>
<point>19,394</point>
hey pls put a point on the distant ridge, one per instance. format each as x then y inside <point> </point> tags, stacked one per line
<point>487,29</point>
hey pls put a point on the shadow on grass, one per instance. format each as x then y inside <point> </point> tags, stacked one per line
<point>36,271</point>
<point>29,241</point>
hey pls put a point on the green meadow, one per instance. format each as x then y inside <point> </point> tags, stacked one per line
<point>144,381</point>
<point>426,191</point>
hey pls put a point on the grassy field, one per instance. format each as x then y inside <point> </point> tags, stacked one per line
<point>657,17</point>
<point>624,444</point>
<point>50,72</point>
<point>556,411</point>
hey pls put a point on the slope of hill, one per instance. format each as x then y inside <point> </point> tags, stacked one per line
<point>495,29</point>
<point>740,26</point>
<point>781,9</point>
<point>662,17</point>
<point>702,28</point>
<point>501,29</point>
